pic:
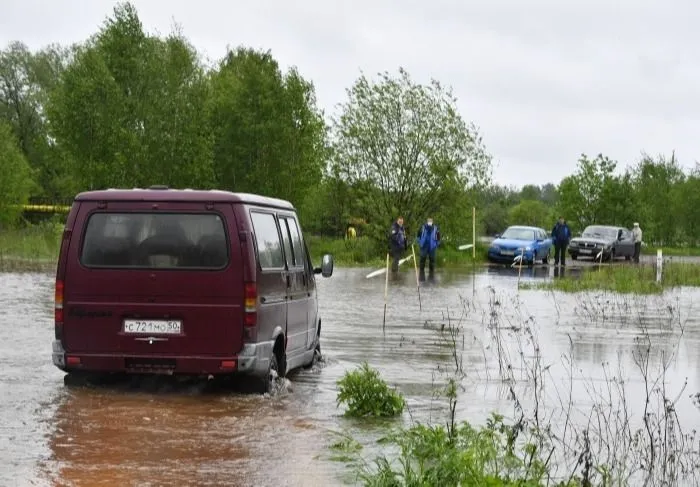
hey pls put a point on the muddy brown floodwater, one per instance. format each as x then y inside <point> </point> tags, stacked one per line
<point>53,434</point>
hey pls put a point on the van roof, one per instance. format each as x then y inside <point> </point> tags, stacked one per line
<point>166,194</point>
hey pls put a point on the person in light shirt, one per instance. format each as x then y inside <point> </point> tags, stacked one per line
<point>637,234</point>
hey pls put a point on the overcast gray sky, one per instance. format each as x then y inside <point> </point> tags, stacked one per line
<point>544,80</point>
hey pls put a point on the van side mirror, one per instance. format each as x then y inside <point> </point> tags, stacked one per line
<point>326,269</point>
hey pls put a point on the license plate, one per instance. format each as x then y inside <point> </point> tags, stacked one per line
<point>507,252</point>
<point>153,327</point>
<point>586,251</point>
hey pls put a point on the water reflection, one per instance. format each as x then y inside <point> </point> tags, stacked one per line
<point>108,436</point>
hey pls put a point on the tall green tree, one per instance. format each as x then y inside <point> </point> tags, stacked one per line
<point>594,194</point>
<point>658,182</point>
<point>129,109</point>
<point>270,138</point>
<point>15,176</point>
<point>531,212</point>
<point>688,202</point>
<point>26,79</point>
<point>408,141</point>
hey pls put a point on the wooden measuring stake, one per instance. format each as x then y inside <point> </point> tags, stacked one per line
<point>386,289</point>
<point>415,264</point>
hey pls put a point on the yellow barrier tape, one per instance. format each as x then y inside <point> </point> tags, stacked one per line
<point>43,208</point>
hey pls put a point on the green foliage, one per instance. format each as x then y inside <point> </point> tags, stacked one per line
<point>659,204</point>
<point>26,79</point>
<point>15,177</point>
<point>531,212</point>
<point>365,394</point>
<point>347,252</point>
<point>492,455</point>
<point>269,135</point>
<point>34,242</point>
<point>406,149</point>
<point>128,109</point>
<point>627,279</point>
<point>594,194</point>
<point>345,448</point>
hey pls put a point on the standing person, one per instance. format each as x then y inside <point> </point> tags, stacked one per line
<point>637,234</point>
<point>428,239</point>
<point>561,234</point>
<point>350,232</point>
<point>397,242</point>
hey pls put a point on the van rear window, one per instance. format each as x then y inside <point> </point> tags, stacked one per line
<point>155,241</point>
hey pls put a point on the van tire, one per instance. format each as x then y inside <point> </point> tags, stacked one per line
<point>265,383</point>
<point>316,357</point>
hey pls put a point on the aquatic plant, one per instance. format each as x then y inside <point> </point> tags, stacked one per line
<point>365,393</point>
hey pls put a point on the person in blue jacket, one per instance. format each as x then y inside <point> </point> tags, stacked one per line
<point>428,239</point>
<point>561,235</point>
<point>397,243</point>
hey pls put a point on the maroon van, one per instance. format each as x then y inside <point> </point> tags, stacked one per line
<point>164,281</point>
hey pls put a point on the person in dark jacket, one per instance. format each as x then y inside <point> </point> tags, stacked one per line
<point>397,242</point>
<point>561,235</point>
<point>428,239</point>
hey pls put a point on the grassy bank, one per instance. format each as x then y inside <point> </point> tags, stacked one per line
<point>673,251</point>
<point>362,252</point>
<point>32,248</point>
<point>625,278</point>
<point>34,242</point>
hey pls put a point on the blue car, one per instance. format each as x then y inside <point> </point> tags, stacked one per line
<point>532,242</point>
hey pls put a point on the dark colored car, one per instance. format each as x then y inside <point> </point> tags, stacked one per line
<point>603,241</point>
<point>164,281</point>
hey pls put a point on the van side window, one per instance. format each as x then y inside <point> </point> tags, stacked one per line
<point>267,240</point>
<point>284,228</point>
<point>296,243</point>
<point>155,241</point>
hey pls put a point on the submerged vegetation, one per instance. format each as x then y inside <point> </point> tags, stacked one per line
<point>624,278</point>
<point>365,394</point>
<point>551,439</point>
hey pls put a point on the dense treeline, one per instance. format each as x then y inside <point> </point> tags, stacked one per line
<point>129,109</point>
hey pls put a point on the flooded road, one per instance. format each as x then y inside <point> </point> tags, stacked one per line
<point>52,434</point>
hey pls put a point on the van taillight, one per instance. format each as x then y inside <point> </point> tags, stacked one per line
<point>250,297</point>
<point>58,310</point>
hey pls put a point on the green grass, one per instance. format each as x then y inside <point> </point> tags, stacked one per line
<point>673,251</point>
<point>363,252</point>
<point>32,244</point>
<point>625,278</point>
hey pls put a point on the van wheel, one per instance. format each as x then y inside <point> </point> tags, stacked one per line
<point>316,356</point>
<point>267,382</point>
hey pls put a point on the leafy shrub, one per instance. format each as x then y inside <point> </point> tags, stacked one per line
<point>366,394</point>
<point>464,456</point>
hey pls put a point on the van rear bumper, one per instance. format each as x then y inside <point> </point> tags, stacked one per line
<point>254,359</point>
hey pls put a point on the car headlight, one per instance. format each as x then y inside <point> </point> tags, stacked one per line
<point>526,249</point>
<point>495,247</point>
